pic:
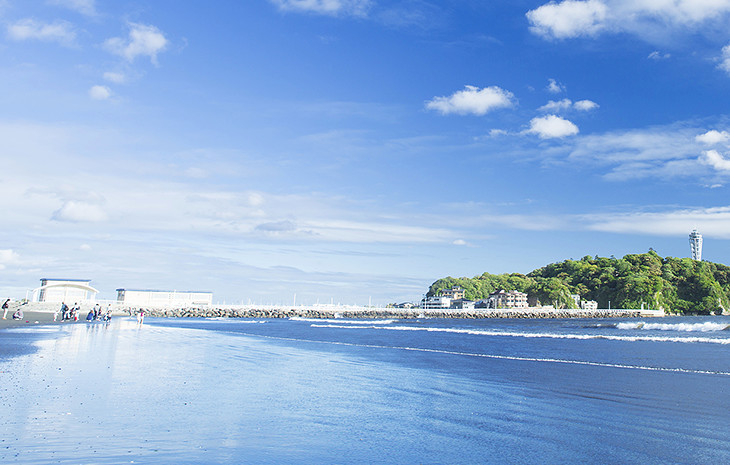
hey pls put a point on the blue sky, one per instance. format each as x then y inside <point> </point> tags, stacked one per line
<point>348,150</point>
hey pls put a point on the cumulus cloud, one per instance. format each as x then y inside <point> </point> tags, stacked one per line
<point>554,87</point>
<point>80,212</point>
<point>100,92</point>
<point>716,160</point>
<point>143,40</point>
<point>552,126</point>
<point>472,100</point>
<point>585,105</point>
<point>325,7</point>
<point>85,7</point>
<point>30,29</point>
<point>570,18</point>
<point>713,137</point>
<point>576,18</point>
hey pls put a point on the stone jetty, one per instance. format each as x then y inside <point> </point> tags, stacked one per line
<point>379,313</point>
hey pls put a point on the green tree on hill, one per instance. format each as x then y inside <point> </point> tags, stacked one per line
<point>677,285</point>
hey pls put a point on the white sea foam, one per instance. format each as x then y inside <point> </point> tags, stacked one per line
<point>506,357</point>
<point>705,327</point>
<point>682,339</point>
<point>348,322</point>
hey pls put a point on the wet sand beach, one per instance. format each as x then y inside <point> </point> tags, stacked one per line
<point>30,318</point>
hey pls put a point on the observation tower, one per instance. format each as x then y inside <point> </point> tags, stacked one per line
<point>695,245</point>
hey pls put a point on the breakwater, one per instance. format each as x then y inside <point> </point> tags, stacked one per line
<point>380,313</point>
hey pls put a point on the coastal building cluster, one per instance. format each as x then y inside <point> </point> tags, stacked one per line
<point>80,290</point>
<point>501,299</point>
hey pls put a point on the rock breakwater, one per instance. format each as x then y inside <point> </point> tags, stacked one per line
<point>293,312</point>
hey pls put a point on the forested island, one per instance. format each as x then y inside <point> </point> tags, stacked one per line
<point>676,285</point>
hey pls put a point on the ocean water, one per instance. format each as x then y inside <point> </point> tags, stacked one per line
<point>429,391</point>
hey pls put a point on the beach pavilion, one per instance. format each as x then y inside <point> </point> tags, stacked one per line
<point>64,290</point>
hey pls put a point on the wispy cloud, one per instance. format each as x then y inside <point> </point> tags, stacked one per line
<point>85,7</point>
<point>325,7</point>
<point>61,32</point>
<point>554,87</point>
<point>472,100</point>
<point>143,40</point>
<point>554,106</point>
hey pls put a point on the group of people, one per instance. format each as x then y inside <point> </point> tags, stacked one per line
<point>96,313</point>
<point>17,315</point>
<point>72,313</point>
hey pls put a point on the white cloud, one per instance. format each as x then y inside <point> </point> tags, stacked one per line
<point>8,257</point>
<point>570,18</point>
<point>325,7</point>
<point>566,104</point>
<point>554,87</point>
<point>551,126</point>
<point>472,100</point>
<point>85,247</point>
<point>585,105</point>
<point>716,160</point>
<point>143,40</point>
<point>116,78</point>
<point>713,137</point>
<point>556,106</point>
<point>644,18</point>
<point>656,55</point>
<point>85,7</point>
<point>100,92</point>
<point>712,222</point>
<point>725,59</point>
<point>27,29</point>
<point>80,212</point>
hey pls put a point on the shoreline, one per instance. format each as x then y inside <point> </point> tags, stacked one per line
<point>35,313</point>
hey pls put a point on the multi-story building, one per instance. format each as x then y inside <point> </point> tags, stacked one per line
<point>455,293</point>
<point>507,299</point>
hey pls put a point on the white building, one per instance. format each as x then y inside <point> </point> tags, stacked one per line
<point>437,302</point>
<point>64,290</point>
<point>590,305</point>
<point>156,298</point>
<point>695,245</point>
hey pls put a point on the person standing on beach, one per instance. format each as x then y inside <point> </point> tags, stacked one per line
<point>64,311</point>
<point>5,308</point>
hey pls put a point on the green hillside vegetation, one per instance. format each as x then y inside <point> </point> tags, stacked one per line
<point>677,285</point>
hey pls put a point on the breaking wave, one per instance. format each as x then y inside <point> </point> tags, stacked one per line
<point>705,327</point>
<point>529,335</point>
<point>503,357</point>
<point>343,322</point>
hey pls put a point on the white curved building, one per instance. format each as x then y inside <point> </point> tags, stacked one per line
<point>64,290</point>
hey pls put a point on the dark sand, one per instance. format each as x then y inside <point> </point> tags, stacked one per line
<point>32,318</point>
